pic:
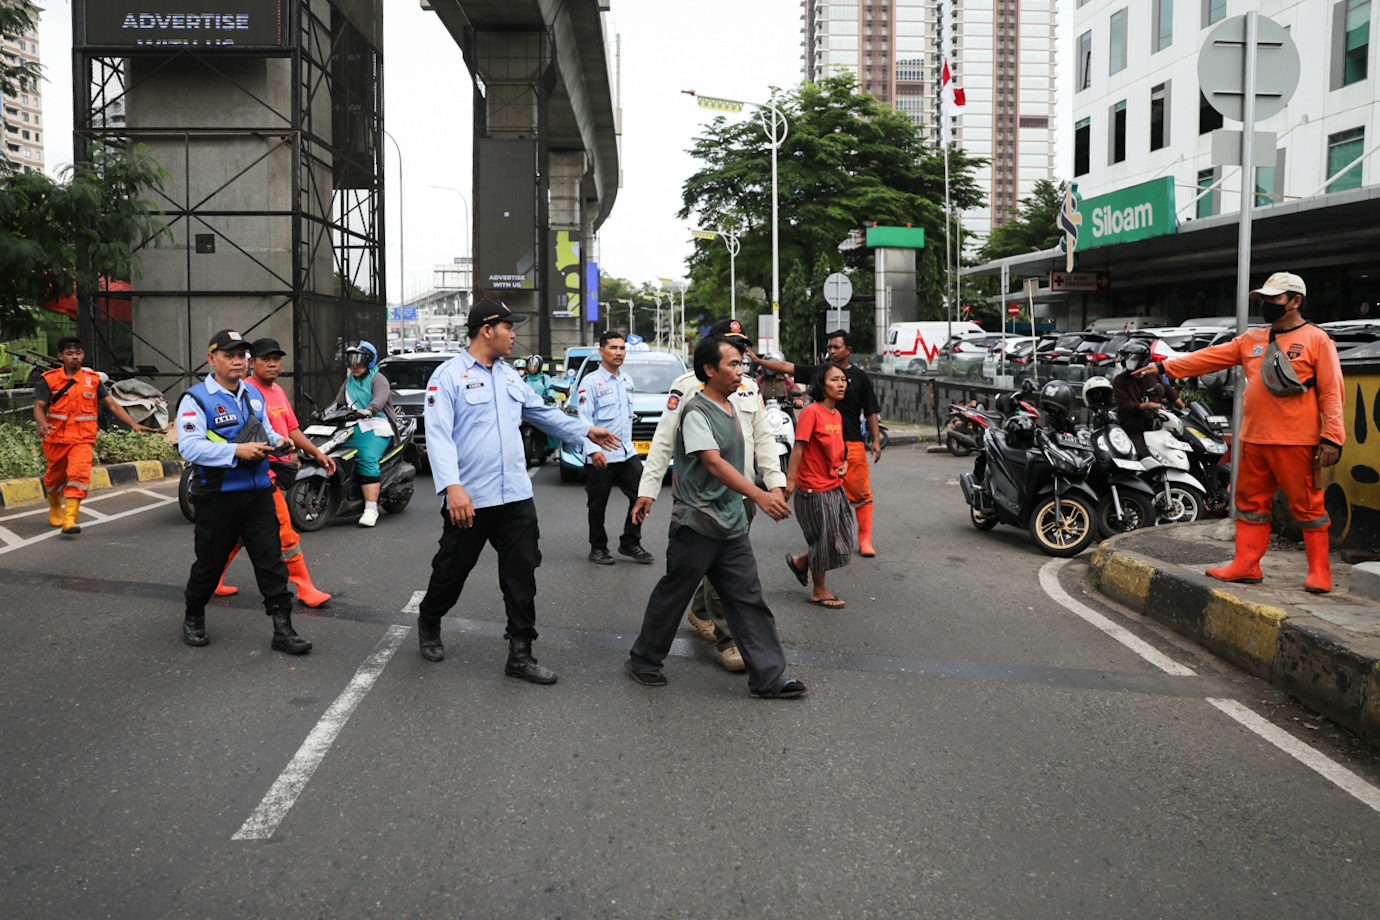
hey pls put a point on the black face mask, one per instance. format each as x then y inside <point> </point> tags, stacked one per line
<point>1271,312</point>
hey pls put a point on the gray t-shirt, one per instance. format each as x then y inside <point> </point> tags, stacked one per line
<point>700,501</point>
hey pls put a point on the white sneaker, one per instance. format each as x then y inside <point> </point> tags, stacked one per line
<point>369,518</point>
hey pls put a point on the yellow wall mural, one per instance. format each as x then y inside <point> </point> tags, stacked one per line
<point>1352,487</point>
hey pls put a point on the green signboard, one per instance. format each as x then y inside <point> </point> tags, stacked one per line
<point>896,237</point>
<point>1135,213</point>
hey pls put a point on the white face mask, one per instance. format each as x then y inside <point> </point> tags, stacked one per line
<point>1132,364</point>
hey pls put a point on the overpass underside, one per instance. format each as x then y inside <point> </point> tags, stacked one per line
<point>545,155</point>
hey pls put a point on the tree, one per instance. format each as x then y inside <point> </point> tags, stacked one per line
<point>64,236</point>
<point>847,161</point>
<point>1032,228</point>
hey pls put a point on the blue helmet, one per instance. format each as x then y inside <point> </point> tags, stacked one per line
<point>363,354</point>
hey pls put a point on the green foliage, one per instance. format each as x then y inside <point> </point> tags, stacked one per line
<point>847,160</point>
<point>61,236</point>
<point>21,450</point>
<point>1032,228</point>
<point>120,445</point>
<point>21,455</point>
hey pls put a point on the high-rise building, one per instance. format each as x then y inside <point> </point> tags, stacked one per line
<point>23,110</point>
<point>1002,52</point>
<point>1139,113</point>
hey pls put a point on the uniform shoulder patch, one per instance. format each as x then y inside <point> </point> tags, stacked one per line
<point>673,401</point>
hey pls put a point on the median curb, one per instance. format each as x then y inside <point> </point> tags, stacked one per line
<point>17,493</point>
<point>1329,668</point>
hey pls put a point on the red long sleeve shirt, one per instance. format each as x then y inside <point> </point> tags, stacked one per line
<point>1269,419</point>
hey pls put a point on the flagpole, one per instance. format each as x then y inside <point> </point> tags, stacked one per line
<point>948,241</point>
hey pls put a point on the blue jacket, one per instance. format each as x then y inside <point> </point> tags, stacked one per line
<point>209,418</point>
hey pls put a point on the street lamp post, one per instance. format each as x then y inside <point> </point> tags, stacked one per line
<point>657,299</point>
<point>402,227</point>
<point>731,242</point>
<point>776,136</point>
<point>632,325</point>
<point>469,248</point>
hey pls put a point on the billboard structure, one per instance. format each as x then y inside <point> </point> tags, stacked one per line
<point>267,117</point>
<point>505,201</point>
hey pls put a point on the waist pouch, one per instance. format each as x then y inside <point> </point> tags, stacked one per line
<point>1277,372</point>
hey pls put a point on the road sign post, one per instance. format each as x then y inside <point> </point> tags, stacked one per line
<point>1228,65</point>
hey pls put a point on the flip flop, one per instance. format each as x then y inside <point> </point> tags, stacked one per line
<point>832,603</point>
<point>799,575</point>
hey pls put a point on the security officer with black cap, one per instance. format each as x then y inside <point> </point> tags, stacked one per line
<point>224,433</point>
<point>475,403</point>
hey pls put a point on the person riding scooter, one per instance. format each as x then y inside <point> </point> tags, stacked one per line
<point>367,392</point>
<point>1139,399</point>
<point>540,382</point>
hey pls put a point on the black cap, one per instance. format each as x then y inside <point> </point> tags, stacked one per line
<point>728,327</point>
<point>226,339</point>
<point>489,312</point>
<point>264,347</point>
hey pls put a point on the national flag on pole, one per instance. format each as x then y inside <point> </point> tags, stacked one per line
<point>951,98</point>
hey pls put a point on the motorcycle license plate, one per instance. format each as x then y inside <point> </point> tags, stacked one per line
<point>1128,464</point>
<point>318,430</point>
<point>642,447</point>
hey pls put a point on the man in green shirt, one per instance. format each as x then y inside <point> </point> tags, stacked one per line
<point>709,534</point>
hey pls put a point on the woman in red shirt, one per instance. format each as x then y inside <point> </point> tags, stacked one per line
<point>815,476</point>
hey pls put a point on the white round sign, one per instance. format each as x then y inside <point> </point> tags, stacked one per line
<point>838,290</point>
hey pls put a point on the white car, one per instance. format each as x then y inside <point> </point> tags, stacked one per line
<point>991,364</point>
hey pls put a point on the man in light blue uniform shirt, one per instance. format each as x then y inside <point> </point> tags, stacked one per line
<point>475,403</point>
<point>606,399</point>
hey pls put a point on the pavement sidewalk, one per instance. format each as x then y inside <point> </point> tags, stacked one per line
<point>16,493</point>
<point>1323,649</point>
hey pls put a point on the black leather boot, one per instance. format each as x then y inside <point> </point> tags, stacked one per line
<point>522,664</point>
<point>194,630</point>
<point>429,636</point>
<point>285,638</point>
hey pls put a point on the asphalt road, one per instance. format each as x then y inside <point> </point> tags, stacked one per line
<point>971,747</point>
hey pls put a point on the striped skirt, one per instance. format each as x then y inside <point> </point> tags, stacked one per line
<point>827,520</point>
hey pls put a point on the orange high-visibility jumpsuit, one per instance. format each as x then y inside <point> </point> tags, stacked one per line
<point>68,445</point>
<point>1279,433</point>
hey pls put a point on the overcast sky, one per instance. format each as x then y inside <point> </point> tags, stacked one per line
<point>729,48</point>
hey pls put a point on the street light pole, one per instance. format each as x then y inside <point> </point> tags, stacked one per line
<point>732,243</point>
<point>657,299</point>
<point>776,136</point>
<point>632,325</point>
<point>402,227</point>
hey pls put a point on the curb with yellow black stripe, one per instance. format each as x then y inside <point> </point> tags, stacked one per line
<point>1337,675</point>
<point>16,493</point>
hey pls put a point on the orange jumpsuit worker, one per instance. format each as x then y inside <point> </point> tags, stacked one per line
<point>67,400</point>
<point>1289,427</point>
<point>265,364</point>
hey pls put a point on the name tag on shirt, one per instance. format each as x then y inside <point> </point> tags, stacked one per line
<point>477,384</point>
<point>225,419</point>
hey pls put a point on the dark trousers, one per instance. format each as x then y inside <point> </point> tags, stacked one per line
<point>732,570</point>
<point>512,531</point>
<point>224,519</point>
<point>626,474</point>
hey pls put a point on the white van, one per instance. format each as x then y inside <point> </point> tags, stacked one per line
<point>911,348</point>
<point>1125,323</point>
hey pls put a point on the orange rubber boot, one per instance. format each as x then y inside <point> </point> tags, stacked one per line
<point>55,509</point>
<point>1317,544</point>
<point>307,592</point>
<point>1252,539</point>
<point>222,589</point>
<point>865,530</point>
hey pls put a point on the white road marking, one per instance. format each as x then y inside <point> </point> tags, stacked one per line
<point>86,503</point>
<point>1049,580</point>
<point>415,605</point>
<point>94,513</point>
<point>10,537</point>
<point>106,518</point>
<point>1329,769</point>
<point>290,783</point>
<point>1315,760</point>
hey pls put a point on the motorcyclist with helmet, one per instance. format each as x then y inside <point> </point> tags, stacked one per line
<point>540,382</point>
<point>1139,398</point>
<point>367,392</point>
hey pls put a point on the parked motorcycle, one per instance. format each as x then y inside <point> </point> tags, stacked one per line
<point>1126,502</point>
<point>1204,434</point>
<point>1029,477</point>
<point>782,430</point>
<point>315,497</point>
<point>1179,495</point>
<point>966,425</point>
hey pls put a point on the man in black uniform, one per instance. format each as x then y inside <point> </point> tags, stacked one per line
<point>223,432</point>
<point>860,400</point>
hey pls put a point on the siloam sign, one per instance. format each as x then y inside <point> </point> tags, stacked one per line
<point>178,24</point>
<point>1135,213</point>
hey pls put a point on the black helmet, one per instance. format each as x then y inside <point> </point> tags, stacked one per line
<point>1134,354</point>
<point>1020,432</point>
<point>1006,404</point>
<point>1056,398</point>
<point>1028,387</point>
